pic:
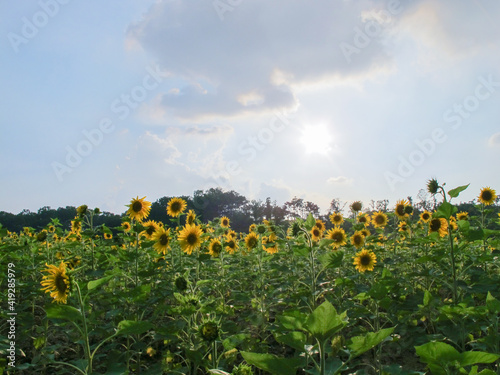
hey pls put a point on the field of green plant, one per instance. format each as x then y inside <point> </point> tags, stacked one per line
<point>397,292</point>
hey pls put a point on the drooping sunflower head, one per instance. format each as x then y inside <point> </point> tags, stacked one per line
<point>176,206</point>
<point>251,240</point>
<point>336,219</point>
<point>190,238</point>
<point>162,240</point>
<point>425,216</point>
<point>463,216</point>
<point>41,236</point>
<point>76,226</point>
<point>432,186</point>
<point>191,217</point>
<point>487,196</point>
<point>379,219</point>
<point>138,209</point>
<point>356,206</point>
<point>338,236</point>
<point>365,260</point>
<point>150,227</point>
<point>56,282</point>
<point>358,239</point>
<point>224,222</point>
<point>215,248</point>
<point>438,225</point>
<point>400,209</point>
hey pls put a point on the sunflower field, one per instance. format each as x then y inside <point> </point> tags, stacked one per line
<point>398,292</point>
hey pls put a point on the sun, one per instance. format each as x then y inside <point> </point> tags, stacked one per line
<point>316,139</point>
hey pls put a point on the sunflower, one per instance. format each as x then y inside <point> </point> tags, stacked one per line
<point>356,206</point>
<point>358,239</point>
<point>108,236</point>
<point>76,226</point>
<point>176,206</point>
<point>215,248</point>
<point>162,240</point>
<point>365,232</point>
<point>51,229</point>
<point>453,223</point>
<point>82,210</point>
<point>425,216</point>
<point>150,227</point>
<point>439,225</point>
<point>320,225</point>
<point>271,249</point>
<point>126,226</point>
<point>190,238</point>
<point>316,233</point>
<point>365,260</point>
<point>191,217</point>
<point>57,282</point>
<point>379,220</point>
<point>252,228</point>
<point>400,209</point>
<point>364,219</point>
<point>463,216</point>
<point>251,240</point>
<point>403,227</point>
<point>231,233</point>
<point>487,196</point>
<point>138,209</point>
<point>224,222</point>
<point>231,244</point>
<point>336,219</point>
<point>338,236</point>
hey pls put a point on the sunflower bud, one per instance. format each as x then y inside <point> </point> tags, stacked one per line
<point>242,369</point>
<point>209,331</point>
<point>181,283</point>
<point>82,210</point>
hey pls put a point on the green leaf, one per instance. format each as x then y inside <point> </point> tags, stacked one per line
<point>427,297</point>
<point>437,353</point>
<point>471,358</point>
<point>295,339</point>
<point>454,192</point>
<point>332,259</point>
<point>360,344</point>
<point>95,283</point>
<point>492,304</point>
<point>293,320</point>
<point>324,321</point>
<point>475,234</point>
<point>273,364</point>
<point>446,210</point>
<point>63,312</point>
<point>131,327</point>
<point>310,222</point>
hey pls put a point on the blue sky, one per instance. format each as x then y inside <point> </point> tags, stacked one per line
<point>356,100</point>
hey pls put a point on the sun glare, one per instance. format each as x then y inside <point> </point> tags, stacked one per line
<point>316,139</point>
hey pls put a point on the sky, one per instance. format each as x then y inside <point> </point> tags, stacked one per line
<point>104,101</point>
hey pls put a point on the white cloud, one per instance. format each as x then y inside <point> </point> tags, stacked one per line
<point>263,48</point>
<point>339,180</point>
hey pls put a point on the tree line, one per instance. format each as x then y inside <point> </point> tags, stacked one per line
<point>215,203</point>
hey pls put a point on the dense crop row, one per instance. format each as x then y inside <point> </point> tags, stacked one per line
<point>395,292</point>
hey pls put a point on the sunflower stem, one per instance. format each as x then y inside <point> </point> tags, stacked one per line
<point>85,331</point>
<point>453,268</point>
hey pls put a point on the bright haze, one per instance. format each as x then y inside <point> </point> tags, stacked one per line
<point>103,101</point>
